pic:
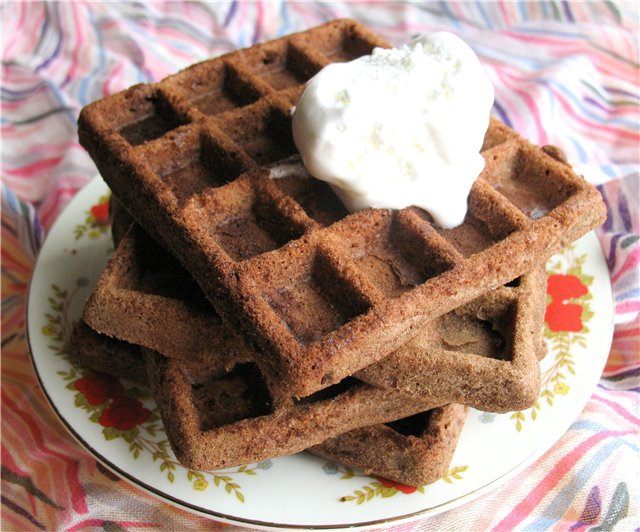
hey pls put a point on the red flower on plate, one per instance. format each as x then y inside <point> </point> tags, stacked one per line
<point>560,315</point>
<point>564,287</point>
<point>564,317</point>
<point>404,488</point>
<point>98,388</point>
<point>124,413</point>
<point>100,213</point>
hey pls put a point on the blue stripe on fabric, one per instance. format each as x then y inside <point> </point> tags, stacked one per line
<point>285,27</point>
<point>232,11</point>
<point>547,32</point>
<point>633,125</point>
<point>635,372</point>
<point>608,223</point>
<point>582,153</point>
<point>585,424</point>
<point>488,23</point>
<point>500,112</point>
<point>625,213</point>
<point>629,294</point>
<point>567,11</point>
<point>618,387</point>
<point>444,8</point>
<point>23,94</point>
<point>524,61</point>
<point>545,11</point>
<point>609,170</point>
<point>43,30</point>
<point>628,240</point>
<point>89,78</point>
<point>18,95</point>
<point>58,46</point>
<point>613,243</point>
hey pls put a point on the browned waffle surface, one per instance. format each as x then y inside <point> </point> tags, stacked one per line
<point>203,436</point>
<point>416,450</point>
<point>145,297</point>
<point>483,354</point>
<point>98,352</point>
<point>487,350</point>
<point>322,296</point>
<point>412,450</point>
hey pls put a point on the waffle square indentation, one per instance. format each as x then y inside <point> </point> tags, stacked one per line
<point>147,117</point>
<point>530,182</point>
<point>263,132</point>
<point>471,330</point>
<point>278,65</point>
<point>255,228</point>
<point>328,393</point>
<point>316,301</point>
<point>339,44</point>
<point>153,270</point>
<point>213,87</point>
<point>190,163</point>
<point>414,425</point>
<point>392,255</point>
<point>316,198</point>
<point>223,400</point>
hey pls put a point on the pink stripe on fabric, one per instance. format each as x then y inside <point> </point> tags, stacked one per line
<point>626,333</point>
<point>530,103</point>
<point>526,507</point>
<point>593,127</point>
<point>101,523</point>
<point>618,409</point>
<point>34,168</point>
<point>563,42</point>
<point>259,22</point>
<point>505,14</point>
<point>8,46</point>
<point>631,260</point>
<point>114,76</point>
<point>77,45</point>
<point>628,307</point>
<point>72,469</point>
<point>179,36</point>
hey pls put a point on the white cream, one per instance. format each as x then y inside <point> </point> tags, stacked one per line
<point>399,127</point>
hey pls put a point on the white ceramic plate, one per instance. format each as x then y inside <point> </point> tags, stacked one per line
<point>302,490</point>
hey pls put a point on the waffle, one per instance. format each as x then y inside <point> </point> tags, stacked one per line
<point>484,354</point>
<point>414,450</point>
<point>146,298</point>
<point>320,297</point>
<point>95,351</point>
<point>487,350</point>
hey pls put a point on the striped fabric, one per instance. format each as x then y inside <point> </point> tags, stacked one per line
<point>565,73</point>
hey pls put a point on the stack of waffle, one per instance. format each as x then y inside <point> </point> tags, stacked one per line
<point>267,319</point>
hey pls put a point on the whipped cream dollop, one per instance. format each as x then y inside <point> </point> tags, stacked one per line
<point>399,127</point>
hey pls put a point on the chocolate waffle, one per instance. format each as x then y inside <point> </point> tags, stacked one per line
<point>416,450</point>
<point>320,297</point>
<point>216,419</point>
<point>484,354</point>
<point>413,450</point>
<point>95,351</point>
<point>485,349</point>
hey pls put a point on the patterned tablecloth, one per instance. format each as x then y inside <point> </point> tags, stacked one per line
<point>565,73</point>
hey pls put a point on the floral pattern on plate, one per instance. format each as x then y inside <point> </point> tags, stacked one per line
<point>119,406</point>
